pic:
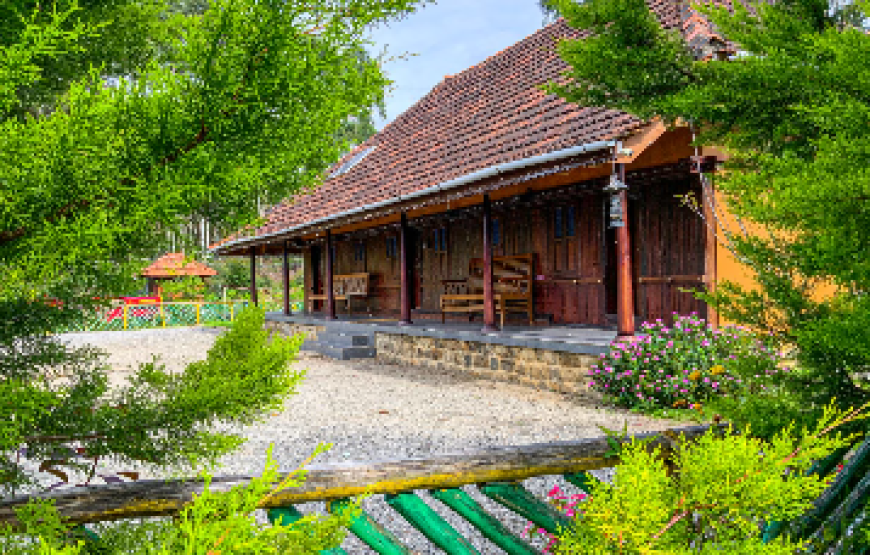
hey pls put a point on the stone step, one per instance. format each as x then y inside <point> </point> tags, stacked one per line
<point>343,339</point>
<point>309,345</point>
<point>345,353</point>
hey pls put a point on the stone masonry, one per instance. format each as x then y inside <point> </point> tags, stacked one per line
<point>541,369</point>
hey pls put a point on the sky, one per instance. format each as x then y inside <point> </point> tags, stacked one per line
<point>448,38</point>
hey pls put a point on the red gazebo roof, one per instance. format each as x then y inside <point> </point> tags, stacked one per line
<point>172,265</point>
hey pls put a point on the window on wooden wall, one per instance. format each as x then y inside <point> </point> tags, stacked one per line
<point>570,221</point>
<point>564,222</point>
<point>392,247</point>
<point>359,256</point>
<point>496,233</point>
<point>441,240</point>
<point>439,251</point>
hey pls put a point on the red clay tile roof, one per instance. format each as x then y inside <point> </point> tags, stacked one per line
<point>170,265</point>
<point>487,115</point>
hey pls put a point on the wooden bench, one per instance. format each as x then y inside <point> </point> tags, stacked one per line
<point>345,287</point>
<point>513,286</point>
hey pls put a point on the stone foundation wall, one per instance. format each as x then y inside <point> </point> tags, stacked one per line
<point>540,369</point>
<point>288,329</point>
<point>537,368</point>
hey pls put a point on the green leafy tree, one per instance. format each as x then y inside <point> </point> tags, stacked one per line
<point>791,112</point>
<point>212,112</point>
<point>187,288</point>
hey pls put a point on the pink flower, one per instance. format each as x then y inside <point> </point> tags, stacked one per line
<point>684,391</point>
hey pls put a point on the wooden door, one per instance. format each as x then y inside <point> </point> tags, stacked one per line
<point>591,256</point>
<point>669,252</point>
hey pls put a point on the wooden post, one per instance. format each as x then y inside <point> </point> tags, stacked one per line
<point>488,292</point>
<point>624,292</point>
<point>404,267</point>
<point>330,294</point>
<point>285,273</point>
<point>708,197</point>
<point>254,276</point>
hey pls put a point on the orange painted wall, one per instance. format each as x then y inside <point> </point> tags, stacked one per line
<point>729,268</point>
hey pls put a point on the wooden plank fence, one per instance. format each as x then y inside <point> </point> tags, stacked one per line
<point>495,471</point>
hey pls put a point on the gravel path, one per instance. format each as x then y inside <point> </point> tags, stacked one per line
<point>427,412</point>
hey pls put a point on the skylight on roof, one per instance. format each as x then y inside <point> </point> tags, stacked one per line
<point>346,167</point>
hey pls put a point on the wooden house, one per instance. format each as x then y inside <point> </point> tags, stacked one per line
<point>435,216</point>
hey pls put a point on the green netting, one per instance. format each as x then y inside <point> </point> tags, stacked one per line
<point>159,315</point>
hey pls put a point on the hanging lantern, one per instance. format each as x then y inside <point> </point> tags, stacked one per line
<point>615,185</point>
<point>616,211</point>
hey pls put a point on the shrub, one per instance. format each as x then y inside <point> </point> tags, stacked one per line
<point>724,488</point>
<point>216,523</point>
<point>680,366</point>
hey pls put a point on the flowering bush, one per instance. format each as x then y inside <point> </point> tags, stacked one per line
<point>681,366</point>
<point>556,499</point>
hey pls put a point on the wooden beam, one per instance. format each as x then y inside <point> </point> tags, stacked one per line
<point>624,289</point>
<point>404,268</point>
<point>253,255</point>
<point>640,140</point>
<point>323,482</point>
<point>488,290</point>
<point>285,274</point>
<point>330,294</point>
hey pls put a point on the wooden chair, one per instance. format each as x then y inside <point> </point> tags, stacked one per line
<point>345,287</point>
<point>513,285</point>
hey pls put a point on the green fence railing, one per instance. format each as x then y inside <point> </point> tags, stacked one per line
<point>168,314</point>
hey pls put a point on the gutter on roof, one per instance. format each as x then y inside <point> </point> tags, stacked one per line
<point>459,181</point>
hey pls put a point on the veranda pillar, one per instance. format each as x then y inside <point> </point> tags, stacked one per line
<point>703,166</point>
<point>254,276</point>
<point>285,274</point>
<point>330,294</point>
<point>405,290</point>
<point>624,289</point>
<point>488,290</point>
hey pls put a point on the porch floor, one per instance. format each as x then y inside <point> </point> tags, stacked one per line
<point>566,338</point>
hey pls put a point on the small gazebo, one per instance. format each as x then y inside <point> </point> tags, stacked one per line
<point>171,266</point>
